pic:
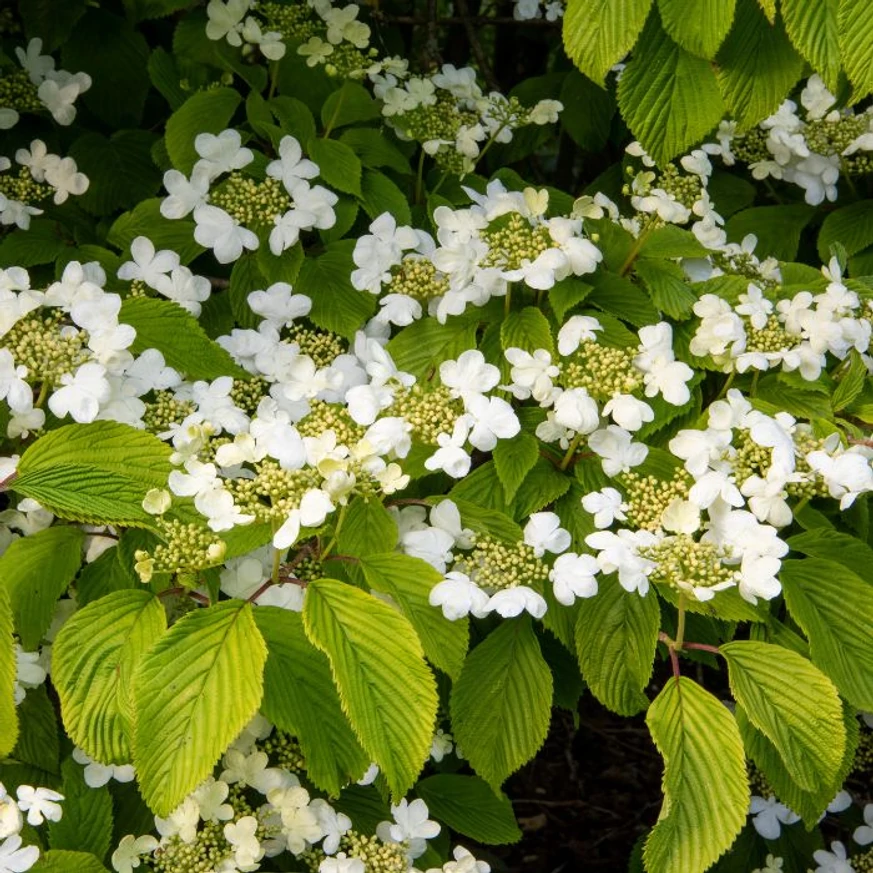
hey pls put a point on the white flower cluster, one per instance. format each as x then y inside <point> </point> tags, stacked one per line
<point>294,204</point>
<point>809,151</point>
<point>56,90</point>
<point>529,10</point>
<point>230,20</point>
<point>41,805</point>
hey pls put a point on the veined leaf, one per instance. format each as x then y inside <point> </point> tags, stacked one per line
<point>616,635</point>
<point>851,226</point>
<point>367,528</point>
<point>668,97</point>
<point>8,672</point>
<point>514,459</point>
<point>501,703</point>
<point>300,698</point>
<point>527,329</point>
<point>834,607</point>
<point>409,581</point>
<point>793,704</point>
<point>338,165</point>
<point>832,545</point>
<point>417,349</point>
<point>706,789</point>
<point>813,27</point>
<point>203,112</point>
<point>35,571</point>
<point>95,472</point>
<point>385,687</point>
<point>38,746</point>
<point>93,660</point>
<point>62,861</point>
<point>856,45</point>
<point>86,825</point>
<point>194,691</point>
<point>599,33</point>
<point>699,27</point>
<point>468,805</point>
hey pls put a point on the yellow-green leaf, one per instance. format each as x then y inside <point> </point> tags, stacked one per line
<point>8,672</point>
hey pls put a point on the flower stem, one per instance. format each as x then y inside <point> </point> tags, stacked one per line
<point>680,629</point>
<point>339,523</point>
<point>565,462</point>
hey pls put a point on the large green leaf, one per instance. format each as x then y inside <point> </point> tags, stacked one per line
<point>386,689</point>
<point>338,165</point>
<point>8,672</point>
<point>834,607</point>
<point>203,112</point>
<point>706,789</point>
<point>166,326</point>
<point>300,698</point>
<point>616,635</point>
<point>501,703</point>
<point>145,219</point>
<point>63,861</point>
<point>851,226</point>
<point>527,329</point>
<point>38,746</point>
<point>793,704</point>
<point>409,581</point>
<point>514,459</point>
<point>93,661</point>
<point>194,691</point>
<point>50,21</point>
<point>777,228</point>
<point>35,571</point>
<point>367,527</point>
<point>856,45</point>
<point>469,806</point>
<point>832,545</point>
<point>813,27</point>
<point>599,33</point>
<point>619,296</point>
<point>95,472</point>
<point>699,27</point>
<point>86,825</point>
<point>419,348</point>
<point>669,98</point>
<point>757,65</point>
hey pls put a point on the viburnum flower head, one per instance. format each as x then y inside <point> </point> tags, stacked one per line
<point>411,826</point>
<point>221,153</point>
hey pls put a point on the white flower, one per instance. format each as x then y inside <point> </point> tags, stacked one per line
<point>13,858</point>
<point>577,410</point>
<point>458,596</point>
<point>148,265</point>
<point>128,854</point>
<point>58,96</point>
<point>291,166</point>
<point>221,154</point>
<point>511,602</point>
<point>299,822</point>
<point>181,822</point>
<point>617,451</point>
<point>769,815</point>
<point>470,373</point>
<point>835,861</point>
<point>39,804</point>
<point>97,774</point>
<point>543,533</point>
<point>247,849</point>
<point>222,233</point>
<point>606,506</point>
<point>628,411</point>
<point>81,394</point>
<point>225,19</point>
<point>10,815</point>
<point>342,864</point>
<point>37,65</point>
<point>492,418</point>
<point>185,194</point>
<point>334,824</point>
<point>411,825</point>
<point>620,552</point>
<point>579,329</point>
<point>64,177</point>
<point>13,389</point>
<point>573,576</point>
<point>531,374</point>
<point>863,834</point>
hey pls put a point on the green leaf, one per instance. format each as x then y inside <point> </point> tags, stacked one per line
<point>699,27</point>
<point>146,220</point>
<point>93,661</point>
<point>757,65</point>
<point>665,282</point>
<point>95,472</point>
<point>616,635</point>
<point>513,460</point>
<point>793,704</point>
<point>336,305</point>
<point>620,297</point>
<point>567,293</point>
<point>419,348</point>
<point>485,521</point>
<point>835,546</point>
<point>41,243</point>
<point>851,384</point>
<point>103,576</point>
<point>851,226</point>
<point>375,150</point>
<point>587,113</point>
<point>706,789</point>
<point>542,486</point>
<point>294,116</point>
<point>204,112</point>
<point>194,691</point>
<point>115,56</point>
<point>469,806</point>
<point>813,27</point>
<point>527,329</point>
<point>377,662</point>
<point>367,528</point>
<point>37,746</point>
<point>671,242</point>
<point>349,104</point>
<point>61,861</point>
<point>35,571</point>
<point>482,488</point>
<point>51,22</point>
<point>144,9</point>
<point>300,698</point>
<point>8,673</point>
<point>856,45</point>
<point>777,228</point>
<point>501,703</point>
<point>173,331</point>
<point>668,97</point>
<point>379,194</point>
<point>599,33</point>
<point>86,825</point>
<point>409,581</point>
<point>338,165</point>
<point>834,608</point>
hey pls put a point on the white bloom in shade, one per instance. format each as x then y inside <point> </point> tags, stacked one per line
<point>210,796</point>
<point>441,745</point>
<point>411,825</point>
<point>8,118</point>
<point>291,166</point>
<point>457,596</point>
<point>225,19</point>
<point>835,861</point>
<point>65,178</point>
<point>616,449</point>
<point>181,822</point>
<point>577,410</point>
<point>81,394</point>
<point>97,774</point>
<point>511,602</point>
<point>863,834</point>
<point>606,506</point>
<point>270,43</point>
<point>342,864</point>
<point>14,858</point>
<point>148,265</point>
<point>573,576</point>
<point>222,233</point>
<point>628,411</point>
<point>332,823</point>
<point>492,418</point>
<point>299,822</point>
<point>767,498</point>
<point>130,850</point>
<point>10,815</point>
<point>185,194</point>
<point>59,97</point>
<point>247,849</point>
<point>543,533</point>
<point>39,804</point>
<point>769,815</point>
<point>469,374</point>
<point>37,65</point>
<point>579,329</point>
<point>222,153</point>
<point>464,863</point>
<point>13,389</point>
